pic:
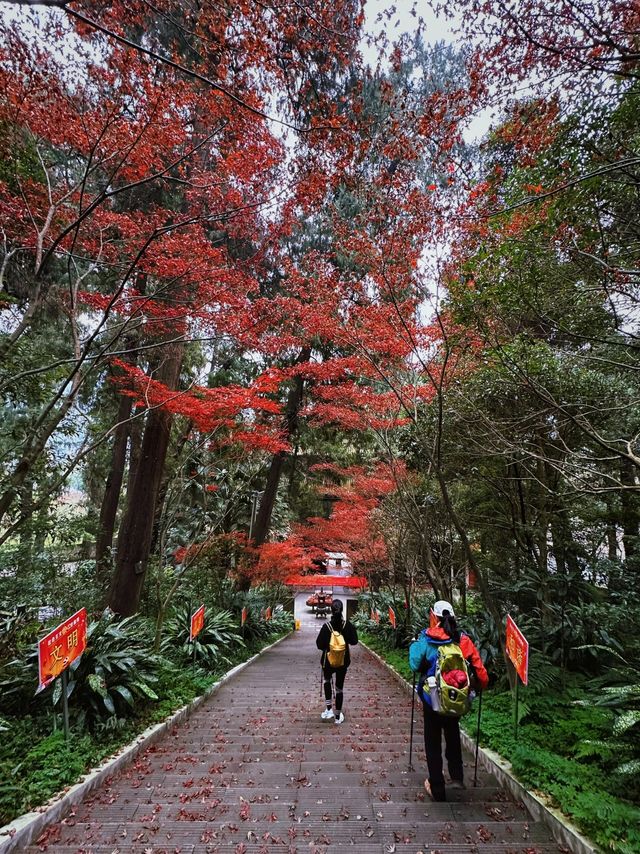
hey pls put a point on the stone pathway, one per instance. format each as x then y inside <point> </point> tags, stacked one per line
<point>256,770</point>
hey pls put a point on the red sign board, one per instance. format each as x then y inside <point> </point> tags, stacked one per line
<point>392,617</point>
<point>60,647</point>
<point>267,614</point>
<point>518,650</point>
<point>197,623</point>
<point>243,617</point>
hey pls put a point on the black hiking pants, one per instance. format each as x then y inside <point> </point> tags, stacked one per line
<point>328,672</point>
<point>435,726</point>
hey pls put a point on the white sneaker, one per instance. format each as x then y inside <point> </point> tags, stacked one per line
<point>327,715</point>
<point>339,718</point>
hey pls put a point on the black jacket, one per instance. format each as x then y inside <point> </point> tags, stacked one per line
<point>349,634</point>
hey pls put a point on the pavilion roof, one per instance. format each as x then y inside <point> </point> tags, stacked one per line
<point>352,581</point>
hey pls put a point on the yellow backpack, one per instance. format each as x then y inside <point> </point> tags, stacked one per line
<point>453,701</point>
<point>337,648</point>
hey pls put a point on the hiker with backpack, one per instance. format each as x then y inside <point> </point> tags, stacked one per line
<point>334,639</point>
<point>451,671</point>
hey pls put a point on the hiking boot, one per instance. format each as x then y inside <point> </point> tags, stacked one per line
<point>327,715</point>
<point>339,718</point>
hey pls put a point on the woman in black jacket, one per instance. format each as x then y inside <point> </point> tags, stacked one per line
<point>323,641</point>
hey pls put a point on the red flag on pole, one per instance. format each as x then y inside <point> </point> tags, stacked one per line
<point>243,618</point>
<point>392,617</point>
<point>197,623</point>
<point>267,615</point>
<point>518,650</point>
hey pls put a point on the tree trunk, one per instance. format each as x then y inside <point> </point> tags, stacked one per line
<point>136,529</point>
<point>26,532</point>
<point>630,515</point>
<point>294,401</point>
<point>115,478</point>
<point>111,497</point>
<point>161,510</point>
<point>135,448</point>
<point>612,542</point>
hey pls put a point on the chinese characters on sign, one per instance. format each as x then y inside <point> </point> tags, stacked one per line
<point>60,647</point>
<point>197,623</point>
<point>392,617</point>
<point>518,650</point>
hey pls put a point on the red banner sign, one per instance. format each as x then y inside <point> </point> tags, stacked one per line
<point>392,617</point>
<point>60,647</point>
<point>518,650</point>
<point>267,613</point>
<point>197,623</point>
<point>243,617</point>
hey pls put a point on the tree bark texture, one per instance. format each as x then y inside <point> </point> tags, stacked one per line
<point>265,510</point>
<point>111,497</point>
<point>136,529</point>
<point>630,511</point>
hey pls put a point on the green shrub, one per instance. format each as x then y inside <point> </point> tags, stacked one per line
<point>281,621</point>
<point>256,600</point>
<point>219,636</point>
<point>18,627</point>
<point>619,692</point>
<point>113,675</point>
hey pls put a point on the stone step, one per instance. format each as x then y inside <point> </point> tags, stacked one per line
<point>255,770</point>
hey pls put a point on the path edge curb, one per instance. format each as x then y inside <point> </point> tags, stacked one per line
<point>563,831</point>
<point>24,829</point>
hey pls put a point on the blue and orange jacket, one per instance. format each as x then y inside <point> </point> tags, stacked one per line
<point>423,655</point>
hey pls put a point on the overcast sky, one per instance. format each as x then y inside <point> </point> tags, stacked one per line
<point>402,21</point>
<point>437,29</point>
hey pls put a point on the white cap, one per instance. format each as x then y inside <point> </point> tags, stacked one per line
<point>441,606</point>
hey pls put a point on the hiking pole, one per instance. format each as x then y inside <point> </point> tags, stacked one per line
<point>475,771</point>
<point>413,705</point>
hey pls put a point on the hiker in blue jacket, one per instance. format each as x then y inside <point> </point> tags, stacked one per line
<point>423,655</point>
<point>350,635</point>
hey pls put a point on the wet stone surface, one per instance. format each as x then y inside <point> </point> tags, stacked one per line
<point>255,770</point>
